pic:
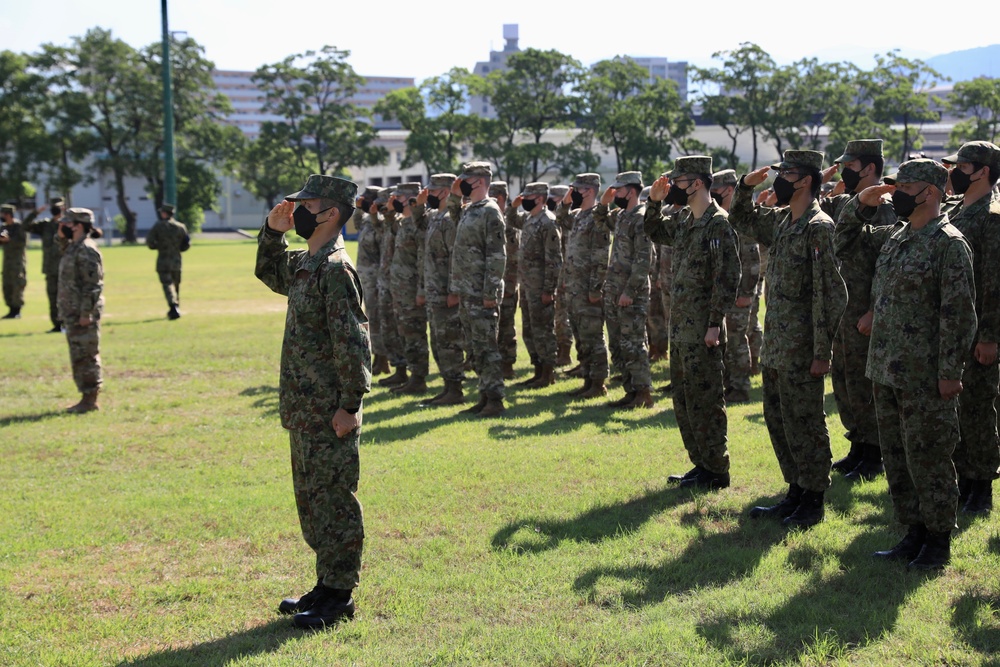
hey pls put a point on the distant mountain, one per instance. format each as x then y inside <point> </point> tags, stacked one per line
<point>968,64</point>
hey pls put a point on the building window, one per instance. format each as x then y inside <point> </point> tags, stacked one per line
<point>375,182</point>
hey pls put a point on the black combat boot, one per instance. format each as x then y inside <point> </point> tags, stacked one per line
<point>980,500</point>
<point>870,465</point>
<point>784,508</point>
<point>296,605</point>
<point>173,313</point>
<point>908,547</point>
<point>851,461</point>
<point>14,314</point>
<point>935,553</point>
<point>707,480</point>
<point>693,472</point>
<point>334,605</point>
<point>808,513</point>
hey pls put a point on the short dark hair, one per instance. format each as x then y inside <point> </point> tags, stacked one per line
<point>991,171</point>
<point>876,160</point>
<point>816,185</point>
<point>706,179</point>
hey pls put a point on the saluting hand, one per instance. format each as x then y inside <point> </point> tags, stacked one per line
<point>828,173</point>
<point>280,218</point>
<point>659,189</point>
<point>755,178</point>
<point>422,197</point>
<point>872,196</point>
<point>608,196</point>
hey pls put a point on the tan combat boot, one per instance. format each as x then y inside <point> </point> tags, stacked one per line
<point>417,384</point>
<point>579,390</point>
<point>508,370</point>
<point>545,378</point>
<point>87,404</point>
<point>380,366</point>
<point>642,400</point>
<point>396,379</point>
<point>494,407</point>
<point>453,394</point>
<point>596,389</point>
<point>477,408</point>
<point>562,354</point>
<point>532,379</point>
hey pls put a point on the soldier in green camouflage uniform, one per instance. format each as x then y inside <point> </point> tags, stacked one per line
<point>48,230</point>
<point>861,167</point>
<point>977,216</point>
<point>442,211</point>
<point>706,274</point>
<point>387,225</point>
<point>81,303</point>
<point>477,269</point>
<point>658,319</point>
<point>325,373</point>
<point>737,352</point>
<point>923,326</point>
<point>626,287</point>
<point>664,283</point>
<point>407,291</point>
<point>584,272</point>
<point>806,299</point>
<point>169,238</point>
<point>367,266</point>
<point>14,240</point>
<point>539,266</point>
<point>507,332</point>
<point>756,329</point>
<point>564,330</point>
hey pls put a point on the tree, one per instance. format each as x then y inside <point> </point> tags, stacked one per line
<point>311,92</point>
<point>269,167</point>
<point>978,101</point>
<point>899,91</point>
<point>23,139</point>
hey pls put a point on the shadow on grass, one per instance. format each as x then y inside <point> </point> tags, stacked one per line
<point>27,419</point>
<point>107,324</point>
<point>227,650</point>
<point>594,525</point>
<point>976,619</point>
<point>267,398</point>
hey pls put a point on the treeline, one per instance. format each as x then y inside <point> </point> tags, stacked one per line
<point>98,102</point>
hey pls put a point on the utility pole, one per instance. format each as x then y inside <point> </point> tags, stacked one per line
<point>169,168</point>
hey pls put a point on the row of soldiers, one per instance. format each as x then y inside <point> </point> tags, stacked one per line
<point>873,283</point>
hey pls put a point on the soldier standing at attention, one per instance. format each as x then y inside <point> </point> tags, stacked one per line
<point>407,290</point>
<point>539,271</point>
<point>626,287</point>
<point>48,230</point>
<point>584,271</point>
<point>368,260</point>
<point>170,238</point>
<point>15,261</point>
<point>477,269</point>
<point>325,373</point>
<point>738,328</point>
<point>508,307</point>
<point>706,275</point>
<point>564,331</point>
<point>806,299</point>
<point>387,224</point>
<point>442,211</point>
<point>81,283</point>
<point>922,330</point>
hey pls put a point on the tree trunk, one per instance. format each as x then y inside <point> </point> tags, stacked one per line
<point>130,236</point>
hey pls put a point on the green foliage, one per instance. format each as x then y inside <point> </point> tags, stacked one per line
<point>23,143</point>
<point>979,100</point>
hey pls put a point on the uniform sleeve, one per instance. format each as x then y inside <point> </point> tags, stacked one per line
<point>564,217</point>
<point>603,219</point>
<point>829,294</point>
<point>749,267</point>
<point>513,218</point>
<point>957,330</point>
<point>152,242</point>
<point>989,284</point>
<point>421,250</point>
<point>31,226</point>
<point>660,227</point>
<point>90,269</point>
<point>454,207</point>
<point>599,249</point>
<point>553,258</point>
<point>642,247</point>
<point>449,229</point>
<point>726,271</point>
<point>348,327</point>
<point>495,253</point>
<point>274,264</point>
<point>757,222</point>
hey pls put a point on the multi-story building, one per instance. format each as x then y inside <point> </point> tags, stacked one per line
<point>478,104</point>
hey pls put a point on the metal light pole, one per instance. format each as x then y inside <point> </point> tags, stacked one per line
<point>170,171</point>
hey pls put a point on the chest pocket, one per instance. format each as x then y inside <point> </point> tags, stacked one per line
<point>790,268</point>
<point>303,296</point>
<point>904,270</point>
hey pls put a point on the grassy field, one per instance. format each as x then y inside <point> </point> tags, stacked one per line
<point>162,531</point>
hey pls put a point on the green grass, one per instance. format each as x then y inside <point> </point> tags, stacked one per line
<point>162,530</point>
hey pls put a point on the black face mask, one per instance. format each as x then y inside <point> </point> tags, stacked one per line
<point>433,201</point>
<point>576,198</point>
<point>305,222</point>
<point>66,231</point>
<point>466,188</point>
<point>851,180</point>
<point>676,195</point>
<point>397,206</point>
<point>56,211</point>
<point>784,190</point>
<point>528,204</point>
<point>621,202</point>
<point>960,181</point>
<point>905,204</point>
<point>365,205</point>
<point>551,204</point>
<point>717,196</point>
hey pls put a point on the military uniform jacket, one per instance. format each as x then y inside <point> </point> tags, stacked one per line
<point>326,351</point>
<point>980,225</point>
<point>539,259</point>
<point>924,302</point>
<point>439,242</point>
<point>407,259</point>
<point>480,256</point>
<point>387,226</point>
<point>368,249</point>
<point>47,229</point>
<point>706,267</point>
<point>631,252</point>
<point>170,238</point>
<point>749,267</point>
<point>587,248</point>
<point>512,244</point>
<point>806,295</point>
<point>856,253</point>
<point>81,282</point>
<point>15,253</point>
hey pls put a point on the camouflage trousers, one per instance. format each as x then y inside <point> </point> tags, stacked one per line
<point>796,422</point>
<point>85,355</point>
<point>587,320</point>
<point>755,332</point>
<point>369,289</point>
<point>507,342</point>
<point>699,406</point>
<point>52,290</point>
<point>387,324</point>
<point>627,340</point>
<point>538,327</point>
<point>564,330</point>
<point>479,324</point>
<point>658,322</point>
<point>325,471</point>
<point>14,283</point>
<point>737,349</point>
<point>171,282</point>
<point>411,323</point>
<point>851,388</point>
<point>919,432</point>
<point>446,339</point>
<point>977,455</point>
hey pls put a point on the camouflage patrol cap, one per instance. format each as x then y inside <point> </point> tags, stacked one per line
<point>792,159</point>
<point>861,148</point>
<point>320,186</point>
<point>371,192</point>
<point>724,178</point>
<point>476,170</point>
<point>57,201</point>
<point>628,178</point>
<point>921,169</point>
<point>167,208</point>
<point>408,190</point>
<point>691,164</point>
<point>498,189</point>
<point>558,191</point>
<point>442,180</point>
<point>980,152</point>
<point>7,208</point>
<point>533,189</point>
<point>587,181</point>
<point>84,215</point>
<point>383,195</point>
<point>644,195</point>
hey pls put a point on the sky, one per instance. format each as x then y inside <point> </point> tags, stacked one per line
<point>419,40</point>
